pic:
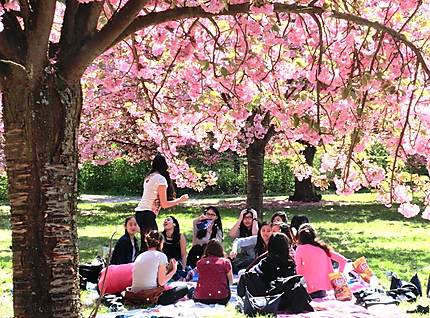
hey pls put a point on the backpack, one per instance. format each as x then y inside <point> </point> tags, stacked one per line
<point>91,272</point>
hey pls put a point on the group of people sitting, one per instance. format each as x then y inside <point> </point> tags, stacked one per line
<point>278,248</point>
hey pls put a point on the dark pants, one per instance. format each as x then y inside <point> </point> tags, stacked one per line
<point>172,295</point>
<point>222,301</point>
<point>195,254</point>
<point>146,222</point>
<point>318,294</point>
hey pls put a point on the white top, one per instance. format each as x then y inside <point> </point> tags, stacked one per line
<point>145,271</point>
<point>150,192</point>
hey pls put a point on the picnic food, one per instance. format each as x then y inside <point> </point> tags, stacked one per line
<point>361,267</point>
<point>340,286</point>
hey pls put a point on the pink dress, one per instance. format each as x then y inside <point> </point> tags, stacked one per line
<point>314,265</point>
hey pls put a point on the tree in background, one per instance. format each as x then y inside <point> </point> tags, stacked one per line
<point>363,60</point>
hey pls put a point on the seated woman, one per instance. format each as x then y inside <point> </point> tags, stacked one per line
<point>255,245</point>
<point>215,276</point>
<point>206,227</point>
<point>296,221</point>
<point>278,262</point>
<point>314,261</point>
<point>150,271</point>
<point>175,245</point>
<point>246,226</point>
<point>279,217</point>
<point>126,248</point>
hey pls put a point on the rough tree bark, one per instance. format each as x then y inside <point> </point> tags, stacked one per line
<point>255,159</point>
<point>305,190</point>
<point>41,117</point>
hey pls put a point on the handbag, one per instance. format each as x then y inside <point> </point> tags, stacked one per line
<point>253,305</point>
<point>143,297</point>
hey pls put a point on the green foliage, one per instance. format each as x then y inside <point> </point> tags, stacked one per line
<point>278,178</point>
<point>117,177</point>
<point>378,154</point>
<point>3,189</point>
<point>123,178</point>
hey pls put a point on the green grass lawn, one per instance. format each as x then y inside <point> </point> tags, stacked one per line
<point>355,227</point>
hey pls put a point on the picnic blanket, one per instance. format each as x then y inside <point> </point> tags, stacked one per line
<point>327,307</point>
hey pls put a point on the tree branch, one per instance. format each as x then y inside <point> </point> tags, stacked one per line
<point>37,33</point>
<point>157,18</point>
<point>74,67</point>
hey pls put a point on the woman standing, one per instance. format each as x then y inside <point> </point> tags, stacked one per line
<point>158,193</point>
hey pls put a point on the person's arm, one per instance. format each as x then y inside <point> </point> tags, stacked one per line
<point>163,276</point>
<point>162,196</point>
<point>234,231</point>
<point>229,272</point>
<point>183,245</point>
<point>234,248</point>
<point>195,230</point>
<point>340,259</point>
<point>254,230</point>
<point>298,260</point>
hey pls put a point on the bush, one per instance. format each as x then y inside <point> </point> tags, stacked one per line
<point>122,178</point>
<point>117,177</point>
<point>3,189</point>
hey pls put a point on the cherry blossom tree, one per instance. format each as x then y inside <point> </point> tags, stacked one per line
<point>364,62</point>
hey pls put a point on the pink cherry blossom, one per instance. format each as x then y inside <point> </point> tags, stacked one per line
<point>409,210</point>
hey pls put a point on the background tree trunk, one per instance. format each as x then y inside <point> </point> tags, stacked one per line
<point>41,118</point>
<point>305,190</point>
<point>255,182</point>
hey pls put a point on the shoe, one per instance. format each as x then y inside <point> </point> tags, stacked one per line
<point>419,310</point>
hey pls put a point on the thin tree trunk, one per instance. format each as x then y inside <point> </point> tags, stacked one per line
<point>304,190</point>
<point>255,186</point>
<point>41,118</point>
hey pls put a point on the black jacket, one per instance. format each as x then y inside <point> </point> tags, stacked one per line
<point>123,251</point>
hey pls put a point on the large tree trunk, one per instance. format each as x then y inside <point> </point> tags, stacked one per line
<point>41,118</point>
<point>255,185</point>
<point>304,190</point>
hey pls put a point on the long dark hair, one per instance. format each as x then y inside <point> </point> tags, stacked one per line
<point>278,246</point>
<point>176,230</point>
<point>296,221</point>
<point>243,230</point>
<point>215,228</point>
<point>260,247</point>
<point>159,165</point>
<point>307,235</point>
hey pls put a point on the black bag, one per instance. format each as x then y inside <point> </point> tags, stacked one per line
<point>295,298</point>
<point>253,305</point>
<point>91,272</point>
<point>253,282</point>
<point>416,281</point>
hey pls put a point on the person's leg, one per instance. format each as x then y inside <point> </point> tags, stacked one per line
<point>318,294</point>
<point>172,295</point>
<point>222,301</point>
<point>146,222</point>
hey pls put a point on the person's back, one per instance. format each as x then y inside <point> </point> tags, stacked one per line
<point>273,267</point>
<point>213,282</point>
<point>313,260</point>
<point>146,270</point>
<point>314,265</point>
